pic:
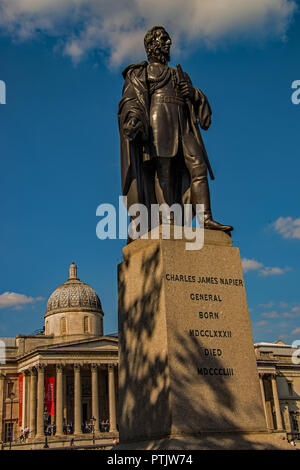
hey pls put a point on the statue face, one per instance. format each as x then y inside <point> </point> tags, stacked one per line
<point>164,42</point>
<point>160,47</point>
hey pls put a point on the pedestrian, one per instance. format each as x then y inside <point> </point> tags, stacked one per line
<point>115,442</point>
<point>26,432</point>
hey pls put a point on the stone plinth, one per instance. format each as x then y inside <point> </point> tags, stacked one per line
<point>187,362</point>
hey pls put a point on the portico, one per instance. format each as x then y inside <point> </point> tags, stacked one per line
<point>279,378</point>
<point>85,392</point>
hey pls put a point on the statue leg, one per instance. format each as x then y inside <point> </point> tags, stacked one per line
<point>164,184</point>
<point>199,183</point>
<point>200,191</point>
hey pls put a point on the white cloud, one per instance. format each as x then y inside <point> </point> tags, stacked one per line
<point>272,314</point>
<point>261,323</point>
<point>283,304</point>
<point>288,315</point>
<point>267,271</point>
<point>287,227</point>
<point>296,331</point>
<point>275,314</point>
<point>251,265</point>
<point>254,265</point>
<point>268,305</point>
<point>12,299</point>
<point>118,27</point>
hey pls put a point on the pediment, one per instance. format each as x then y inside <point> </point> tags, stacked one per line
<point>101,344</point>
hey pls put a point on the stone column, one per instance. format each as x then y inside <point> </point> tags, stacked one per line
<point>65,397</point>
<point>23,400</point>
<point>32,420</point>
<point>40,401</point>
<point>298,420</point>
<point>95,396</point>
<point>112,399</point>
<point>59,400</point>
<point>28,398</point>
<point>1,404</point>
<point>77,400</point>
<point>262,390</point>
<point>25,417</point>
<point>287,418</point>
<point>276,403</point>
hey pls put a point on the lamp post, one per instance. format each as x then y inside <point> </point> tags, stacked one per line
<point>93,420</point>
<point>11,397</point>
<point>46,416</point>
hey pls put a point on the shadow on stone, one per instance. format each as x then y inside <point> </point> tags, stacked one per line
<point>164,402</point>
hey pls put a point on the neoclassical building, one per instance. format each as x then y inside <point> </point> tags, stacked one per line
<point>278,367</point>
<point>66,375</point>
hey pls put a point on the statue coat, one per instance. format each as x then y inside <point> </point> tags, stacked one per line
<point>166,131</point>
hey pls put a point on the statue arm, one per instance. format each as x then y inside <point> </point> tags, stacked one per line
<point>186,88</point>
<point>131,118</point>
<point>200,104</point>
<point>202,108</point>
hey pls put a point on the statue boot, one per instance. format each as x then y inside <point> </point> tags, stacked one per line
<point>200,195</point>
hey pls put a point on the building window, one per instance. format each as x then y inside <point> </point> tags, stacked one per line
<point>86,324</point>
<point>9,431</point>
<point>10,388</point>
<point>290,387</point>
<point>63,326</point>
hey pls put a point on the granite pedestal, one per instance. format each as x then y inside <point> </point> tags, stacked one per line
<point>188,376</point>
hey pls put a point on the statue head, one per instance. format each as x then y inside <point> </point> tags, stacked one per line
<point>157,44</point>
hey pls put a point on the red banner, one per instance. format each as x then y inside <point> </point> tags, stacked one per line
<point>49,395</point>
<point>20,398</point>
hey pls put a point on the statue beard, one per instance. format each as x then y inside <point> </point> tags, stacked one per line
<point>160,56</point>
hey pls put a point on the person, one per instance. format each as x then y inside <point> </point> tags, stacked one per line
<point>163,158</point>
<point>115,442</point>
<point>26,432</point>
<point>49,430</point>
<point>22,435</point>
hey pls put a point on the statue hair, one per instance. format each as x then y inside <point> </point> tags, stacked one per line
<point>149,41</point>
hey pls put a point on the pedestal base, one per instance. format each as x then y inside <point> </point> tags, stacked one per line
<point>187,362</point>
<point>215,441</point>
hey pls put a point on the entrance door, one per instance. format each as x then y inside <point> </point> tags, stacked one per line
<point>84,412</point>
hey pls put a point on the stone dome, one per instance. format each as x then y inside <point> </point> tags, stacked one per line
<point>73,295</point>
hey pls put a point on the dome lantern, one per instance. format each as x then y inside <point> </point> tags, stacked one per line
<point>73,271</point>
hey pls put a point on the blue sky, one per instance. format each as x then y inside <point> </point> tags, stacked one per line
<point>60,147</point>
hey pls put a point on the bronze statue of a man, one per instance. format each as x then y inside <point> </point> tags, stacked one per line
<point>163,158</point>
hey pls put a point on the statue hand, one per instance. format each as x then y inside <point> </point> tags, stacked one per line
<point>187,90</point>
<point>132,128</point>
